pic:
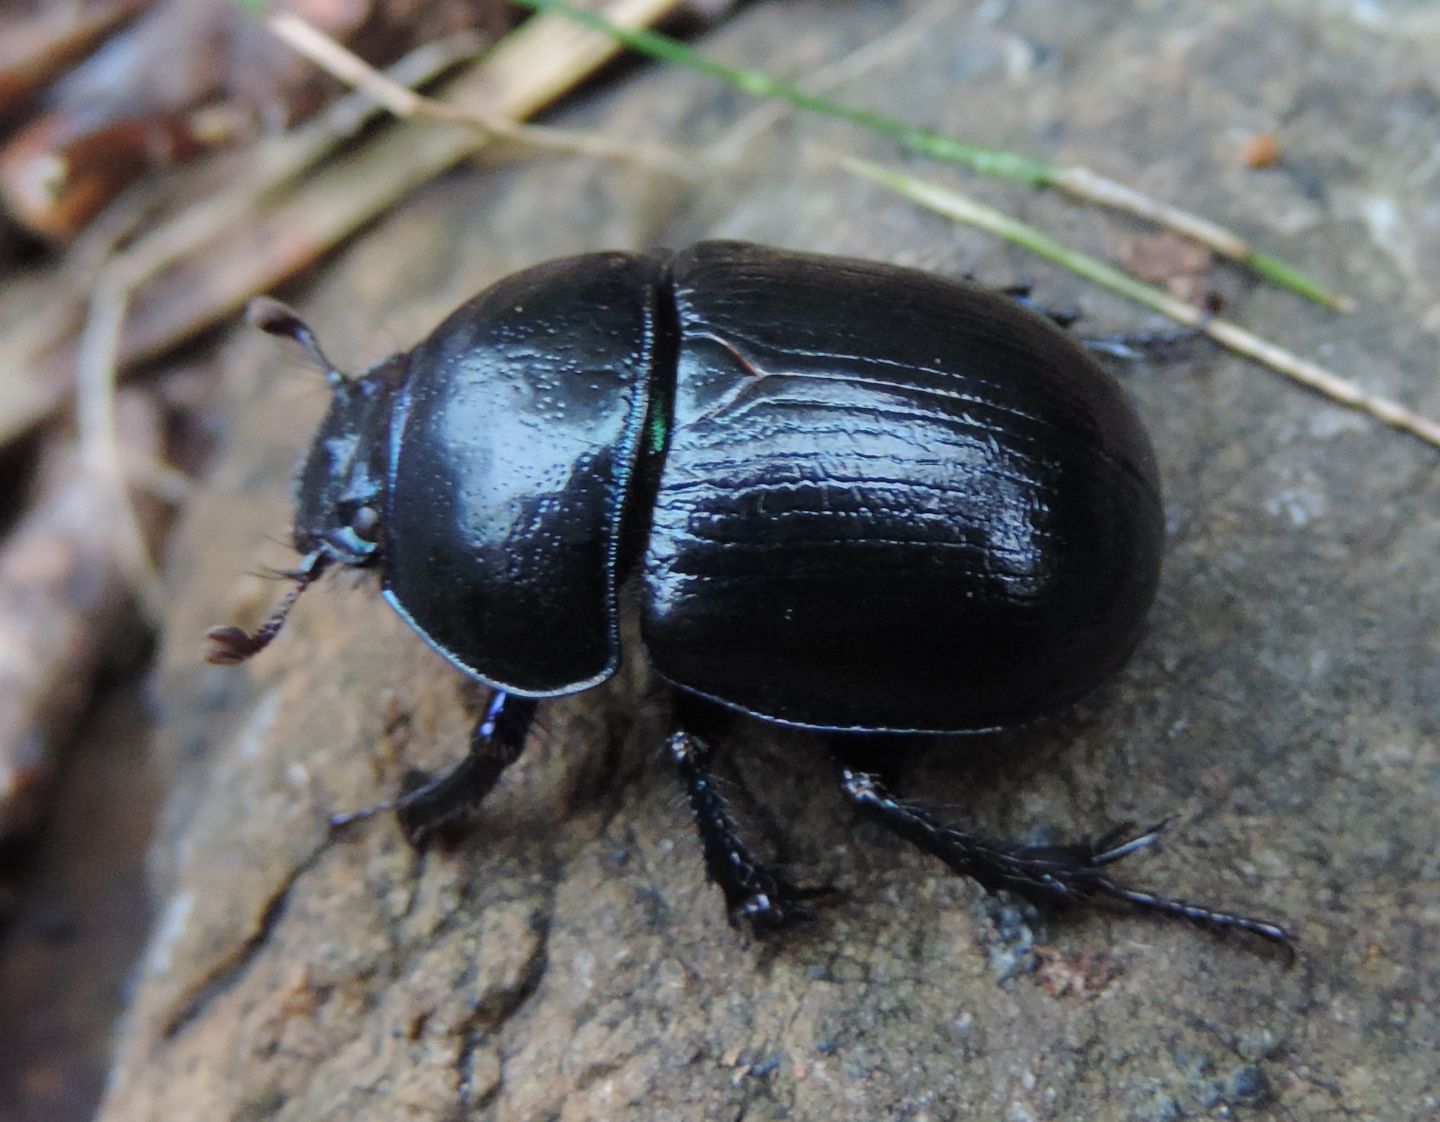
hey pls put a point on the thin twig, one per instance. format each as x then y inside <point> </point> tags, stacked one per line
<point>1079,182</point>
<point>100,449</point>
<point>348,67</point>
<point>955,205</point>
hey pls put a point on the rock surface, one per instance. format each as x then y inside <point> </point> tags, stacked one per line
<point>567,960</point>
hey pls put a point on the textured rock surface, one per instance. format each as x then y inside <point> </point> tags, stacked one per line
<point>567,961</point>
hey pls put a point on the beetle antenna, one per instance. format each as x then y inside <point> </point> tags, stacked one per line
<point>275,318</point>
<point>230,645</point>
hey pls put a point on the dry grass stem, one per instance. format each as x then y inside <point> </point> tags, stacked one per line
<point>1082,183</point>
<point>400,100</point>
<point>962,208</point>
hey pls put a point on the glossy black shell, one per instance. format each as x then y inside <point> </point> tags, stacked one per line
<point>515,441</point>
<point>853,496</point>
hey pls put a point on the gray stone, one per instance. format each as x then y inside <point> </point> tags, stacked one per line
<point>1283,704</point>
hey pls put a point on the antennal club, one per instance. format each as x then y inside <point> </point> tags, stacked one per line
<point>275,318</point>
<point>230,645</point>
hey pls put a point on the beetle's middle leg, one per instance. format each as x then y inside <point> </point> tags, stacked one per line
<point>756,893</point>
<point>495,743</point>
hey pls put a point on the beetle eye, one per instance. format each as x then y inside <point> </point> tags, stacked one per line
<point>366,523</point>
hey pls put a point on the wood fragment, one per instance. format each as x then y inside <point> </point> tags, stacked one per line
<point>35,50</point>
<point>54,183</point>
<point>261,240</point>
<point>62,597</point>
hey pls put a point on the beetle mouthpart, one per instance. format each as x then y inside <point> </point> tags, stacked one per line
<point>275,318</point>
<point>230,645</point>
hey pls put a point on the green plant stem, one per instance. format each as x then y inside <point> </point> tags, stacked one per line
<point>986,161</point>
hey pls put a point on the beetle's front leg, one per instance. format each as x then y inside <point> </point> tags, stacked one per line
<point>755,893</point>
<point>495,744</point>
<point>1045,874</point>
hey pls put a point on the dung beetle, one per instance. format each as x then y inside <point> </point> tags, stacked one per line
<point>836,494</point>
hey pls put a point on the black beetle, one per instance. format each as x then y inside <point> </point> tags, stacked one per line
<point>847,496</point>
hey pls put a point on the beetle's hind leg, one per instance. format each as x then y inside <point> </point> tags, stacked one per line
<point>1023,294</point>
<point>758,894</point>
<point>1055,875</point>
<point>495,744</point>
<point>1138,344</point>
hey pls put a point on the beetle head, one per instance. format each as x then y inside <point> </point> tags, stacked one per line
<point>340,491</point>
